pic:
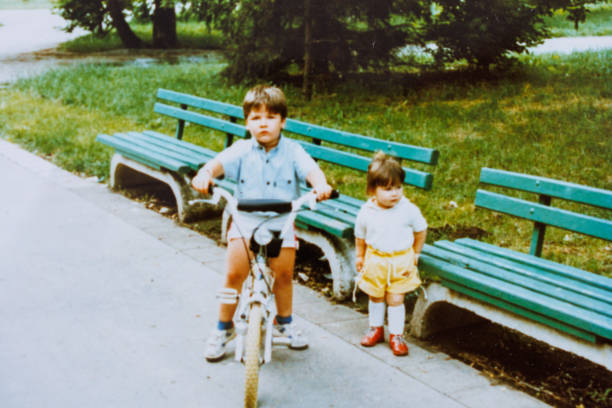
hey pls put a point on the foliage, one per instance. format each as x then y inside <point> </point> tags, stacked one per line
<point>483,32</point>
<point>268,35</point>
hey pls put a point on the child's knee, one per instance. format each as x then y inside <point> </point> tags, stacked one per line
<point>395,299</point>
<point>283,275</point>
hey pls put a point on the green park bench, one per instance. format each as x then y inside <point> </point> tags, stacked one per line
<point>561,305</point>
<point>142,156</point>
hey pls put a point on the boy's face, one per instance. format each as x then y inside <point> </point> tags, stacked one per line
<point>265,126</point>
<point>388,196</point>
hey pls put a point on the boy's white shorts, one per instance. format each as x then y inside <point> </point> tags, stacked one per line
<point>243,225</point>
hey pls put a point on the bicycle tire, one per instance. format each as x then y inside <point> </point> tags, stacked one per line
<point>251,357</point>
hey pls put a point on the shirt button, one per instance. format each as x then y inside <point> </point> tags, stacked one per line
<point>267,183</point>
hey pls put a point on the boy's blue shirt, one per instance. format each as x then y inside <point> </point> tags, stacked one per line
<point>261,174</point>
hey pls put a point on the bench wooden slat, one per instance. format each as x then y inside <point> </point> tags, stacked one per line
<point>564,270</point>
<point>193,160</point>
<point>326,223</point>
<point>201,103</point>
<point>536,302</point>
<point>370,144</point>
<point>541,274</point>
<point>542,185</point>
<point>520,278</point>
<point>413,177</point>
<point>210,122</point>
<point>155,160</point>
<point>557,217</point>
<point>182,144</point>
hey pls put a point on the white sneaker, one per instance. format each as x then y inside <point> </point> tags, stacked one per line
<point>217,343</point>
<point>291,335</point>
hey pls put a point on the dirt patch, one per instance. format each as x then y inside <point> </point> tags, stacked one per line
<point>556,377</point>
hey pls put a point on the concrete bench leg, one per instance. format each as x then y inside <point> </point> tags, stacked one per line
<point>341,257</point>
<point>444,309</point>
<point>127,173</point>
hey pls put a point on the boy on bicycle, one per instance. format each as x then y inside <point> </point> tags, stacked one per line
<point>265,166</point>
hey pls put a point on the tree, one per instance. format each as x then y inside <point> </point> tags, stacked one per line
<point>101,16</point>
<point>164,24</point>
<point>128,38</point>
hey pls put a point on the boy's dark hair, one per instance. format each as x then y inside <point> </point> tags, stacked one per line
<point>265,95</point>
<point>384,171</point>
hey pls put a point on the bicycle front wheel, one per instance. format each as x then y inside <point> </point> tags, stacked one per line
<point>251,357</point>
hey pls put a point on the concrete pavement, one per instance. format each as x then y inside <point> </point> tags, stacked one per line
<point>104,303</point>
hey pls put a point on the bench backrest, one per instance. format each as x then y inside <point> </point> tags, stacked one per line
<point>542,213</point>
<point>333,138</point>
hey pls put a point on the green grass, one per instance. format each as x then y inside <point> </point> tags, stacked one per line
<point>549,116</point>
<point>598,23</point>
<point>25,4</point>
<point>190,34</point>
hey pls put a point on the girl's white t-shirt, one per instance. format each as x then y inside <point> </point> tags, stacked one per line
<point>389,229</point>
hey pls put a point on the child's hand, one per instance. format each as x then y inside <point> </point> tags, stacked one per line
<point>323,191</point>
<point>358,263</point>
<point>202,181</point>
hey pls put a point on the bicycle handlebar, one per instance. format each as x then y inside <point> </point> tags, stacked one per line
<point>252,205</point>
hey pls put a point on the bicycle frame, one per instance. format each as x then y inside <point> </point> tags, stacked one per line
<point>257,288</point>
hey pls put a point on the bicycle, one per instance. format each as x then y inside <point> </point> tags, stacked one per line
<point>256,307</point>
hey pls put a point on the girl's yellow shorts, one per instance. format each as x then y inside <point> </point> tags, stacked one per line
<point>385,272</point>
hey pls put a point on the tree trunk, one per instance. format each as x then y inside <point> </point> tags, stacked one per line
<point>127,36</point>
<point>164,26</point>
<point>307,81</point>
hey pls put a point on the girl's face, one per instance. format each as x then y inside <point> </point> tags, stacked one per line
<point>388,196</point>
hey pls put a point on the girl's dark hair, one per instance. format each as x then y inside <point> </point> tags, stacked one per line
<point>265,95</point>
<point>384,171</point>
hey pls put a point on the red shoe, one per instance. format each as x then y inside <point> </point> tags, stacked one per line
<point>373,336</point>
<point>398,345</point>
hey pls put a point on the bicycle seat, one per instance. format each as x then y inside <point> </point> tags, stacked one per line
<point>264,204</point>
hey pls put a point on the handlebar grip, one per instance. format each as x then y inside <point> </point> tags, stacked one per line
<point>334,194</point>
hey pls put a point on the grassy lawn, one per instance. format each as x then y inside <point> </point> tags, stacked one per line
<point>190,34</point>
<point>549,116</point>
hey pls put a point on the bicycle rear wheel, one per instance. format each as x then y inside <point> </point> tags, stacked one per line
<point>251,357</point>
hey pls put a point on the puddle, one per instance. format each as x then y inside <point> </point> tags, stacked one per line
<point>35,63</point>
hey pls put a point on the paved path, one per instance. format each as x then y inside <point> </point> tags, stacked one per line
<point>104,303</point>
<point>31,30</point>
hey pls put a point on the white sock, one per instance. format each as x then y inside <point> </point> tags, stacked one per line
<point>397,317</point>
<point>376,313</point>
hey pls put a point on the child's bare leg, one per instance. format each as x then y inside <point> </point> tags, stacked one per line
<point>283,281</point>
<point>237,271</point>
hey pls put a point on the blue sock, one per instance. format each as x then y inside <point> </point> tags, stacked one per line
<point>283,320</point>
<point>225,325</point>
